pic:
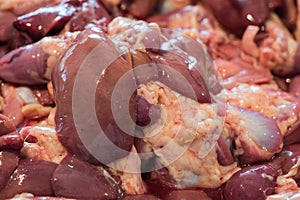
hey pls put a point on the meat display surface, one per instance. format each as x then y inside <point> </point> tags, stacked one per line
<point>149,99</point>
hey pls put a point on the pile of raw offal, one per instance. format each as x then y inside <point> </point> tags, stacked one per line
<point>212,95</point>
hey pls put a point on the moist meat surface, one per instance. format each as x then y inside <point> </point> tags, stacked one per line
<point>236,136</point>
